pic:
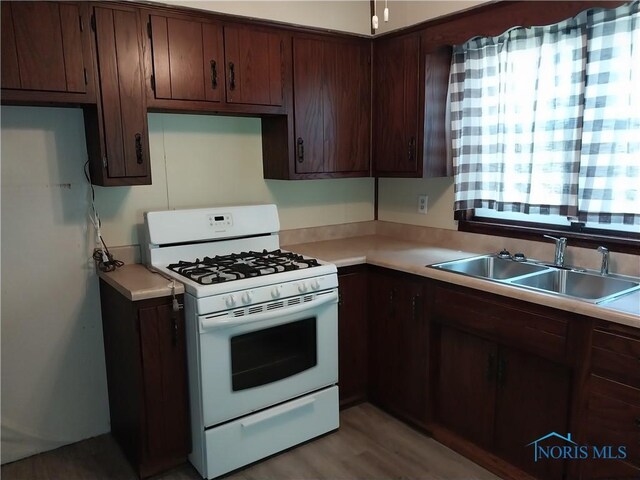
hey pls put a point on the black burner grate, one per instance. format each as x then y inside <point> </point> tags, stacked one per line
<point>225,268</point>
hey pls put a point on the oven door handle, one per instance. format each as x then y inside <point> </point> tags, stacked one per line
<point>225,322</point>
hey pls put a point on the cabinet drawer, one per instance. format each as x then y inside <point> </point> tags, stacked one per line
<point>243,441</point>
<point>535,329</point>
<point>614,417</point>
<point>616,357</point>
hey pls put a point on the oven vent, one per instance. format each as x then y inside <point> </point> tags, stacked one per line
<point>238,313</point>
<point>253,310</point>
<point>308,298</point>
<point>293,301</point>
<point>274,305</point>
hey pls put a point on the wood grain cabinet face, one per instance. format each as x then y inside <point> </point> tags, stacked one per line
<point>145,353</point>
<point>119,147</point>
<point>331,82</point>
<point>253,66</point>
<point>45,48</point>
<point>188,59</point>
<point>398,346</point>
<point>352,337</point>
<point>396,95</point>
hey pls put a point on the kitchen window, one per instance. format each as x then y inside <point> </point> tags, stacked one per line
<point>545,128</point>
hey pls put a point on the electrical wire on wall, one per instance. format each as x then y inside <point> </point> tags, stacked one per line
<point>101,256</point>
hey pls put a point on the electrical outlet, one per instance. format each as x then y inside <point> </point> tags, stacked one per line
<point>422,204</point>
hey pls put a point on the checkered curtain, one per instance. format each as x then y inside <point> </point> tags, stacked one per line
<point>609,183</point>
<point>518,103</point>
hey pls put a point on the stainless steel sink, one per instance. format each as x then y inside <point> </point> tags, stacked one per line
<point>490,267</point>
<point>586,286</point>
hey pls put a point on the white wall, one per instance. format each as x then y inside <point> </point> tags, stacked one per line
<point>349,16</point>
<point>404,13</point>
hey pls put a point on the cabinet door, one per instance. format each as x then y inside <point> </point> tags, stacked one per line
<point>411,322</point>
<point>465,385</point>
<point>254,66</point>
<point>396,97</point>
<point>46,53</point>
<point>310,98</point>
<point>383,339</point>
<point>347,130</point>
<point>162,346</point>
<point>187,59</point>
<point>122,111</point>
<point>44,47</point>
<point>613,418</point>
<point>352,337</point>
<point>532,400</point>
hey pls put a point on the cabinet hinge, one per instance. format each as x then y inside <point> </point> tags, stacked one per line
<point>80,22</point>
<point>149,29</point>
<point>93,22</point>
<point>104,162</point>
<point>153,82</point>
<point>86,81</point>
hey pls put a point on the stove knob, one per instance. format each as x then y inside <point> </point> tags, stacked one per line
<point>230,301</point>
<point>247,297</point>
<point>275,293</point>
<point>302,287</point>
<point>315,285</point>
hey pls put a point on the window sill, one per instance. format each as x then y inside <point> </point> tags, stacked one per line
<point>587,238</point>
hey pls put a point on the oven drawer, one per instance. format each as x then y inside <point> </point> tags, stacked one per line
<point>243,441</point>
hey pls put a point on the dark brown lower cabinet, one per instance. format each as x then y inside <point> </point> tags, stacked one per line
<point>501,399</point>
<point>613,419</point>
<point>352,335</point>
<point>398,348</point>
<point>147,378</point>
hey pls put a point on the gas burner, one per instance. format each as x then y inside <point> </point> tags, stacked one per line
<point>225,268</point>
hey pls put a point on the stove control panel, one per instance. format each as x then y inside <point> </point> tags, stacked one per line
<point>224,220</point>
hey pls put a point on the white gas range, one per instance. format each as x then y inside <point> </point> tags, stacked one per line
<point>262,334</point>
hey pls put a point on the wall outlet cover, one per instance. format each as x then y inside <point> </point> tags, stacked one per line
<point>423,201</point>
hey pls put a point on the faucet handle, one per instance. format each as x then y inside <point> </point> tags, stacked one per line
<point>556,239</point>
<point>602,249</point>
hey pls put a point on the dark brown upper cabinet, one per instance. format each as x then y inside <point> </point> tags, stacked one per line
<point>46,53</point>
<point>331,112</point>
<point>188,59</point>
<point>116,129</point>
<point>254,65</point>
<point>396,97</point>
<point>198,63</point>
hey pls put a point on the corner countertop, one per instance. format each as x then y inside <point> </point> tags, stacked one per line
<point>412,257</point>
<point>137,282</point>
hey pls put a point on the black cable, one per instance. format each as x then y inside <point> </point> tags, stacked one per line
<point>111,263</point>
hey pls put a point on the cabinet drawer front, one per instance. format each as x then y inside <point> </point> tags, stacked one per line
<point>614,416</point>
<point>616,357</point>
<point>533,330</point>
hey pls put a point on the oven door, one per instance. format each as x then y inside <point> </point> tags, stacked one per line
<point>274,352</point>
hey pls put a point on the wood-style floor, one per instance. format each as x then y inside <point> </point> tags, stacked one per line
<point>369,445</point>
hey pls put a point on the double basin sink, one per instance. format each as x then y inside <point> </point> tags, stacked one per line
<point>582,285</point>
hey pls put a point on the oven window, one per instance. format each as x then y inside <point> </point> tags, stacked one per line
<point>268,355</point>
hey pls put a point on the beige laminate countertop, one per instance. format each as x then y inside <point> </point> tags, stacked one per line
<point>411,257</point>
<point>136,282</point>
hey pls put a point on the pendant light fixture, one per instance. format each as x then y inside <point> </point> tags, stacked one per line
<point>374,19</point>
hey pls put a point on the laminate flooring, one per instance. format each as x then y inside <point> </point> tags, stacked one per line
<point>369,445</point>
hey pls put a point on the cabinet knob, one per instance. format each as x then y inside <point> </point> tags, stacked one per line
<point>300,143</point>
<point>214,74</point>
<point>412,149</point>
<point>138,138</point>
<point>232,76</point>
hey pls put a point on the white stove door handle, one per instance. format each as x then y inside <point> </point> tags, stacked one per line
<point>213,323</point>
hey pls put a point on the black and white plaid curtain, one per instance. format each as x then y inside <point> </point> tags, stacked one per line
<point>546,120</point>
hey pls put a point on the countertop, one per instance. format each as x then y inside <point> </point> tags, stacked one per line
<point>412,257</point>
<point>137,282</point>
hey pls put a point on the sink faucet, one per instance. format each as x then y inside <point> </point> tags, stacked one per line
<point>604,268</point>
<point>561,246</point>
